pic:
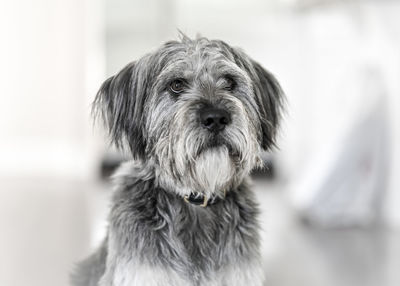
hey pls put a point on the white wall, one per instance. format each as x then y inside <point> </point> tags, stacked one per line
<point>387,16</point>
<point>50,57</point>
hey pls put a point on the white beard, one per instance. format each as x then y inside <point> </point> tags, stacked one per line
<point>214,169</point>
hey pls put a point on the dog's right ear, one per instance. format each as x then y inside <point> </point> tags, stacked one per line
<point>119,103</point>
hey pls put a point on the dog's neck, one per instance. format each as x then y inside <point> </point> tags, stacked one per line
<point>137,170</point>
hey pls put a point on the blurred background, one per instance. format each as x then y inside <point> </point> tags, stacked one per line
<point>330,198</point>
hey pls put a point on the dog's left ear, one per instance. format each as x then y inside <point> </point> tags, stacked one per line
<point>268,93</point>
<point>270,98</point>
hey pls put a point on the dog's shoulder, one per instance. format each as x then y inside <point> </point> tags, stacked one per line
<point>138,202</point>
<point>133,185</point>
<point>132,172</point>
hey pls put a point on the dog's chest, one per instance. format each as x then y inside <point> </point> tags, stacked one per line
<point>161,232</point>
<point>203,246</point>
<point>213,237</point>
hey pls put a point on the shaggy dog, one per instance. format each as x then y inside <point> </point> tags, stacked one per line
<point>196,115</point>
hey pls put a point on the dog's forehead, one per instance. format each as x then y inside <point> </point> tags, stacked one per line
<point>191,60</point>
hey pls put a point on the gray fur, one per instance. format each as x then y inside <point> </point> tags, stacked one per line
<point>154,236</point>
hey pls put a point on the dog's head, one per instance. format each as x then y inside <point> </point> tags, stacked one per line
<point>199,110</point>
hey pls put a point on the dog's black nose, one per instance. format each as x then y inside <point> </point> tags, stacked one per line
<point>214,119</point>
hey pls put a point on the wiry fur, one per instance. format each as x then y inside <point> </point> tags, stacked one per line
<point>154,236</point>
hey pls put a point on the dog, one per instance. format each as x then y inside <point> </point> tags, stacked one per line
<point>195,114</point>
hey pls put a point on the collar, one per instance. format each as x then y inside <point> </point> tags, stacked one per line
<point>202,200</point>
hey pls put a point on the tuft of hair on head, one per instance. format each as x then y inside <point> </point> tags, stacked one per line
<point>183,37</point>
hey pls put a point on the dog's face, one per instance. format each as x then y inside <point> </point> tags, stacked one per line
<point>199,110</point>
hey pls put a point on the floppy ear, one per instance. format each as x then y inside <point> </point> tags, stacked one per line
<point>119,103</point>
<point>269,97</point>
<point>268,93</point>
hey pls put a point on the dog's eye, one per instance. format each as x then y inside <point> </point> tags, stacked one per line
<point>230,83</point>
<point>177,86</point>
